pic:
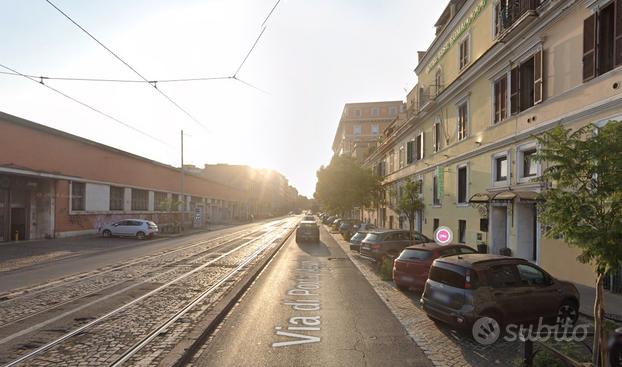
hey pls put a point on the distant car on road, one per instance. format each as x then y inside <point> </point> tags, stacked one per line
<point>462,289</point>
<point>139,228</point>
<point>308,231</point>
<point>357,227</point>
<point>381,243</point>
<point>411,268</point>
<point>346,227</point>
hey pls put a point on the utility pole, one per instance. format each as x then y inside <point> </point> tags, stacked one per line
<point>183,198</point>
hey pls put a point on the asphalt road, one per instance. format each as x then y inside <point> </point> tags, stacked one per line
<point>311,307</point>
<point>29,263</point>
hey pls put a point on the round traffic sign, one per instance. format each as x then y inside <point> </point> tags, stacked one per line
<point>443,235</point>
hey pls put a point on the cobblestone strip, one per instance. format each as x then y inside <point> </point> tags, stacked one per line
<point>444,347</point>
<point>31,304</point>
<point>106,341</point>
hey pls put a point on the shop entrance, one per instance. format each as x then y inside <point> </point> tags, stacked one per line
<point>18,224</point>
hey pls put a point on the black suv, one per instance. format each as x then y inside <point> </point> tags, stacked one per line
<point>462,289</point>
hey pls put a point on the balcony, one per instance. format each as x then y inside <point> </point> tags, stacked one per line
<point>514,15</point>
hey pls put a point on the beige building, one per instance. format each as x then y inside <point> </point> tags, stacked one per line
<point>497,74</point>
<point>360,126</point>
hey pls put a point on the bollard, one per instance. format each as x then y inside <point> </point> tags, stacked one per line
<point>615,348</point>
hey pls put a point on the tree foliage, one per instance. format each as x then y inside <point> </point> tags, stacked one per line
<point>584,203</point>
<point>407,201</point>
<point>343,185</point>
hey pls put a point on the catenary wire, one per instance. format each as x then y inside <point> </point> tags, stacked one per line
<point>154,85</point>
<point>84,104</point>
<point>65,78</point>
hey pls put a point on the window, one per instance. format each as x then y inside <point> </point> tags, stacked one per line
<point>419,146</point>
<point>420,181</point>
<point>401,157</point>
<point>463,120</point>
<point>531,276</point>
<point>139,199</point>
<point>464,52</point>
<point>529,163</point>
<point>77,195</point>
<point>500,91</point>
<point>453,278</point>
<point>602,41</point>
<point>357,113</point>
<point>436,131</point>
<point>357,129</point>
<point>462,231</point>
<point>462,185</point>
<point>438,81</point>
<point>117,198</point>
<point>375,111</point>
<point>160,201</point>
<point>526,84</point>
<point>375,129</point>
<point>436,224</point>
<point>504,276</point>
<point>175,202</point>
<point>392,110</point>
<point>435,197</point>
<point>411,254</point>
<point>409,152</point>
<point>501,168</point>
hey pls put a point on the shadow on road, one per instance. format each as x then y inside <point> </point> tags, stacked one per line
<point>317,249</point>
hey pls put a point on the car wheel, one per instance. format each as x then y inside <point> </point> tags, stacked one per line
<point>141,235</point>
<point>107,233</point>
<point>567,313</point>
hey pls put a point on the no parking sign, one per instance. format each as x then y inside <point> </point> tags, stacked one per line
<point>443,235</point>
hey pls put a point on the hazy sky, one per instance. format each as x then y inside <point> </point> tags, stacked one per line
<point>314,56</point>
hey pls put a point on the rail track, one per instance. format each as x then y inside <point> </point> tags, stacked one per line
<point>188,286</point>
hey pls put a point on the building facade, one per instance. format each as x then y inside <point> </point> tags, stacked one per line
<point>54,184</point>
<point>497,74</point>
<point>361,125</point>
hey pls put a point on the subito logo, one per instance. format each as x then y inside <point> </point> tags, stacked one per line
<point>486,330</point>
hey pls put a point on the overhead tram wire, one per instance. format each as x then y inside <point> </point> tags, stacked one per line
<point>84,104</point>
<point>154,85</point>
<point>105,80</point>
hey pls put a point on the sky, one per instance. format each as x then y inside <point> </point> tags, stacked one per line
<point>313,57</point>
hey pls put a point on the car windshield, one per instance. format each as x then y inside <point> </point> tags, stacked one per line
<point>411,254</point>
<point>308,225</point>
<point>372,237</point>
<point>451,277</point>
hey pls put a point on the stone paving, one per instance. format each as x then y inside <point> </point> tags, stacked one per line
<point>443,346</point>
<point>104,342</point>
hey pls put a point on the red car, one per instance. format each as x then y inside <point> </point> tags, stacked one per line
<point>410,269</point>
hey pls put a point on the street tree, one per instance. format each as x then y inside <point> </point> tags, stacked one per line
<point>583,204</point>
<point>407,201</point>
<point>344,185</point>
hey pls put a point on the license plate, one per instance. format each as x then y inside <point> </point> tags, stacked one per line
<point>406,278</point>
<point>441,297</point>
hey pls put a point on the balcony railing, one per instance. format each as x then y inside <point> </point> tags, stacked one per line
<point>510,13</point>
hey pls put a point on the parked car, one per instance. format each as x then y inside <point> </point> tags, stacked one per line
<point>308,231</point>
<point>336,223</point>
<point>357,227</point>
<point>461,289</point>
<point>346,227</point>
<point>380,243</point>
<point>328,219</point>
<point>411,268</point>
<point>138,228</point>
<point>355,240</point>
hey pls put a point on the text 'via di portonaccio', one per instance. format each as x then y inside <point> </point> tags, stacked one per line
<point>304,298</point>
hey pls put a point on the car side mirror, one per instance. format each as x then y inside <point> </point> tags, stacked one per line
<point>115,225</point>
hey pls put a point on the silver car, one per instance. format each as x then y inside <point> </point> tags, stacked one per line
<point>138,228</point>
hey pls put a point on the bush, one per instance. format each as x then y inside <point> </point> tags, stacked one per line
<point>386,268</point>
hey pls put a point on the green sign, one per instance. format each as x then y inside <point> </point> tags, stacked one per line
<point>439,180</point>
<point>457,34</point>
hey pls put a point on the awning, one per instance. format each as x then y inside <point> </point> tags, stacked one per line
<point>480,198</point>
<point>522,196</point>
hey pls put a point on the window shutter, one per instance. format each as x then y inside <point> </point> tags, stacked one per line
<point>537,77</point>
<point>589,47</point>
<point>434,137</point>
<point>409,152</point>
<point>617,38</point>
<point>422,149</point>
<point>514,91</point>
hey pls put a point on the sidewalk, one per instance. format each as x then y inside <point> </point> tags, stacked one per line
<point>613,302</point>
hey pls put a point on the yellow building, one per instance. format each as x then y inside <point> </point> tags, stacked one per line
<point>497,74</point>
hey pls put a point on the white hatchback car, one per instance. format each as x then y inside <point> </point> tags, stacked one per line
<point>138,228</point>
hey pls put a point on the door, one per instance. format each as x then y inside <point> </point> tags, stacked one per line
<point>510,295</point>
<point>4,217</point>
<point>120,228</point>
<point>18,224</point>
<point>544,300</point>
<point>498,228</point>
